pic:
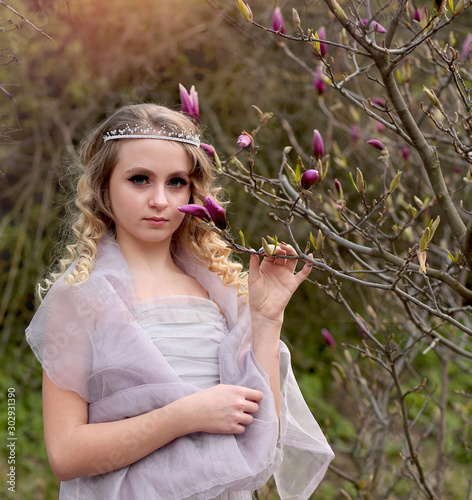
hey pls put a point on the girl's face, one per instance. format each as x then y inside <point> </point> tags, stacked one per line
<point>149,181</point>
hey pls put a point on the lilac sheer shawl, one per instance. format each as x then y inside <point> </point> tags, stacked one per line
<point>87,339</point>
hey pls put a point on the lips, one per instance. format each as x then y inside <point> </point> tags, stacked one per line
<point>156,219</point>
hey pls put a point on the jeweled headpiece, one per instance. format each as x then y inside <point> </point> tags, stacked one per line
<point>164,133</point>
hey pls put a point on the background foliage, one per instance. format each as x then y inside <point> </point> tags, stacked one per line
<point>105,54</point>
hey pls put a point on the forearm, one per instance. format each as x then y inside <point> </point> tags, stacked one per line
<point>76,448</point>
<point>97,448</point>
<point>266,346</point>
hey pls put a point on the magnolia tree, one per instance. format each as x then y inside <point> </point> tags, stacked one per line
<point>382,213</point>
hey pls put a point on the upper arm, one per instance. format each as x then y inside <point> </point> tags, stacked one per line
<point>62,412</point>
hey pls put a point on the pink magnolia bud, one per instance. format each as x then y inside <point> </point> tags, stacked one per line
<point>337,186</point>
<point>375,25</point>
<point>318,146</point>
<point>245,141</point>
<point>209,150</point>
<point>417,14</point>
<point>405,152</point>
<point>378,102</point>
<point>376,144</point>
<point>322,36</point>
<point>278,21</point>
<point>379,126</point>
<point>466,50</point>
<point>196,210</point>
<point>309,177</point>
<point>339,189</point>
<point>217,213</point>
<point>189,102</point>
<point>329,339</point>
<point>355,132</point>
<point>362,330</point>
<point>318,81</point>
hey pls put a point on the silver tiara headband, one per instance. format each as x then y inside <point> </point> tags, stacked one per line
<point>164,133</point>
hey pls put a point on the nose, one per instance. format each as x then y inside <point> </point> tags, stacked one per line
<point>158,198</point>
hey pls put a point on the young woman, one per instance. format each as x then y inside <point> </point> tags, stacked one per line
<point>164,374</point>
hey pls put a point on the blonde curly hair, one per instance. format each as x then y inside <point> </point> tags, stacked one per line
<point>93,217</point>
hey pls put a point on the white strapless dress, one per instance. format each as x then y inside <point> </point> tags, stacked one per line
<point>188,330</point>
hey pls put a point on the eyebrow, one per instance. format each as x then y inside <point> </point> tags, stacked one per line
<point>147,171</point>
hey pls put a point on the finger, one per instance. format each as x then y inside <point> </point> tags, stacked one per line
<point>253,395</point>
<point>289,250</point>
<point>305,271</point>
<point>279,262</point>
<point>253,267</point>
<point>251,407</point>
<point>239,429</point>
<point>246,419</point>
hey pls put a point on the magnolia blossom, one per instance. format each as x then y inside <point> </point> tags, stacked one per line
<point>212,211</point>
<point>355,132</point>
<point>209,150</point>
<point>318,146</point>
<point>378,101</point>
<point>189,102</point>
<point>217,213</point>
<point>417,14</point>
<point>467,47</point>
<point>319,82</point>
<point>328,337</point>
<point>379,126</point>
<point>376,144</point>
<point>196,210</point>
<point>338,188</point>
<point>278,21</point>
<point>309,177</point>
<point>377,27</point>
<point>244,141</point>
<point>322,36</point>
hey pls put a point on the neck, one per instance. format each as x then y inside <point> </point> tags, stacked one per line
<point>146,257</point>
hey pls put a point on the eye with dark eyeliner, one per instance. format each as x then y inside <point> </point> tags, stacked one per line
<point>178,182</point>
<point>139,179</point>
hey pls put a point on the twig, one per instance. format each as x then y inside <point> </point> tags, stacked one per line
<point>39,30</point>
